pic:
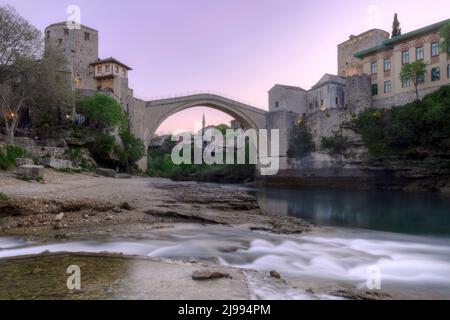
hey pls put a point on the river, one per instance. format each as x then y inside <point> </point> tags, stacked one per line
<point>405,237</point>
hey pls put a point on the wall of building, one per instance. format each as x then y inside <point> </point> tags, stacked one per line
<point>348,65</point>
<point>399,94</point>
<point>287,98</point>
<point>79,51</point>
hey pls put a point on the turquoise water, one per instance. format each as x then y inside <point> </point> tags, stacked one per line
<point>398,212</point>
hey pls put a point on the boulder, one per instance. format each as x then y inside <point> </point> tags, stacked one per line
<point>106,172</point>
<point>30,172</point>
<point>203,275</point>
<point>24,162</point>
<point>58,164</point>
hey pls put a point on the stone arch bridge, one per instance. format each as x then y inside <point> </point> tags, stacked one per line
<point>147,116</point>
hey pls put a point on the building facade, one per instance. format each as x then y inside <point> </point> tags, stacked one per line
<point>384,63</point>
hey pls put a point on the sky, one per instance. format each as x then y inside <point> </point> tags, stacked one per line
<point>239,48</point>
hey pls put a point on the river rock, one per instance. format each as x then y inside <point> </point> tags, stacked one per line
<point>275,274</point>
<point>110,173</point>
<point>30,172</point>
<point>202,275</point>
<point>59,217</point>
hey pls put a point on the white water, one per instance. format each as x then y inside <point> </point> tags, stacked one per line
<point>344,255</point>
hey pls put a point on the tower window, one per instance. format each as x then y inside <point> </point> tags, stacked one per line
<point>277,104</point>
<point>48,34</point>
<point>87,36</point>
<point>66,32</point>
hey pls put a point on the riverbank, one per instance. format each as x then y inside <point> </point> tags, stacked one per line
<point>65,202</point>
<point>145,238</point>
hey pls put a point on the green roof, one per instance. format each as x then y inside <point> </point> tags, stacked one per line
<point>390,42</point>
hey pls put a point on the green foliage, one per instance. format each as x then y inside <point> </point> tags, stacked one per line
<point>300,142</point>
<point>8,158</point>
<point>412,72</point>
<point>444,33</point>
<point>418,125</point>
<point>3,197</point>
<point>336,144</point>
<point>102,111</point>
<point>160,165</point>
<point>102,149</point>
<point>133,148</point>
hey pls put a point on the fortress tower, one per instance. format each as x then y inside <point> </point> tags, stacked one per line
<point>348,64</point>
<point>80,48</point>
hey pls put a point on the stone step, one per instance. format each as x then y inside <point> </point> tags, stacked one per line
<point>30,172</point>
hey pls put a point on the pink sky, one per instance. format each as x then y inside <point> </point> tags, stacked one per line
<point>238,47</point>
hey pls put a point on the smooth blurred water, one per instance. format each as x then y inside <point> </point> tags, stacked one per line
<point>406,236</point>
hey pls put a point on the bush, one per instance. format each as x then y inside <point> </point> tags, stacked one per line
<point>418,125</point>
<point>336,144</point>
<point>3,197</point>
<point>8,158</point>
<point>102,111</point>
<point>300,142</point>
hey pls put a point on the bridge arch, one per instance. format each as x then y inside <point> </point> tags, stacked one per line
<point>157,111</point>
<point>147,117</point>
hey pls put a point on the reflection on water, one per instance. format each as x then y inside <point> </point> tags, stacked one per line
<point>426,214</point>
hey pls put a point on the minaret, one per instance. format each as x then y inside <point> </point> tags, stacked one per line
<point>204,123</point>
<point>203,130</point>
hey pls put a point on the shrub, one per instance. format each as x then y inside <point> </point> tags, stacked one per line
<point>421,124</point>
<point>336,144</point>
<point>300,142</point>
<point>8,158</point>
<point>3,197</point>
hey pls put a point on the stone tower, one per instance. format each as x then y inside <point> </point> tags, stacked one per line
<point>80,48</point>
<point>348,64</point>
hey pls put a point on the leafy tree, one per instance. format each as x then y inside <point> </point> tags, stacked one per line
<point>18,38</point>
<point>301,142</point>
<point>17,91</point>
<point>102,111</point>
<point>444,33</point>
<point>133,149</point>
<point>413,72</point>
<point>396,31</point>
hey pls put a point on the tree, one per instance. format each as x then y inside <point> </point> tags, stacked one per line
<point>102,112</point>
<point>396,30</point>
<point>53,93</point>
<point>18,38</point>
<point>17,92</point>
<point>444,33</point>
<point>300,142</point>
<point>413,72</point>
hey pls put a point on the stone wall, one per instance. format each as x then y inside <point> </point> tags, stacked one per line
<point>358,93</point>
